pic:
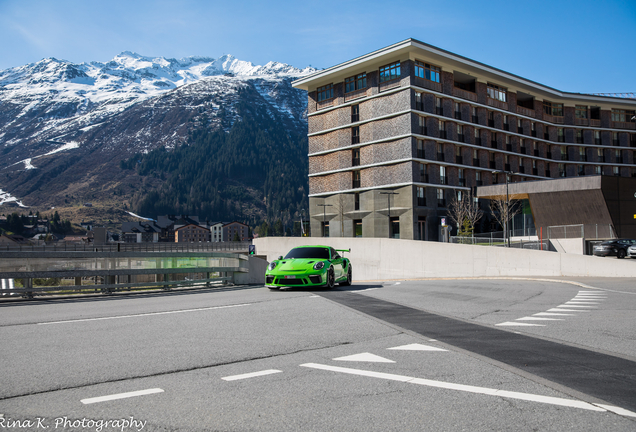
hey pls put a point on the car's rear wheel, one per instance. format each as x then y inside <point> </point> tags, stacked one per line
<point>331,278</point>
<point>349,277</point>
<point>621,253</point>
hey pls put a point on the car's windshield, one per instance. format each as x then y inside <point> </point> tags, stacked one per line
<point>309,252</point>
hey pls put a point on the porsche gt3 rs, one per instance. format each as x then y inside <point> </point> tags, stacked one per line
<point>309,266</point>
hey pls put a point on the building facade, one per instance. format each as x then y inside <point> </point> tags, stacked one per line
<point>191,233</point>
<point>394,135</point>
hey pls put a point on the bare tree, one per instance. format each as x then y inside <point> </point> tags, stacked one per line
<point>503,211</point>
<point>464,211</point>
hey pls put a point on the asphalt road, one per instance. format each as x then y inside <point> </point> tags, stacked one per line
<point>427,355</point>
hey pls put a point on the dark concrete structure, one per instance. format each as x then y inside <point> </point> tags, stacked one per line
<point>593,201</point>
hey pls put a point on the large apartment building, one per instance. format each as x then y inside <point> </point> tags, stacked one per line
<point>395,134</point>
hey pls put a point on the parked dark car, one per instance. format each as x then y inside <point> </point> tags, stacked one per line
<point>617,248</point>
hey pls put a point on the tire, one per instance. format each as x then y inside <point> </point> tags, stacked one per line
<point>620,254</point>
<point>349,278</point>
<point>331,279</point>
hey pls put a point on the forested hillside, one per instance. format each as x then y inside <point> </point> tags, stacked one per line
<point>255,172</point>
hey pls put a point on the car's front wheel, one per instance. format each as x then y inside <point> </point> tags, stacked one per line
<point>331,278</point>
<point>621,253</point>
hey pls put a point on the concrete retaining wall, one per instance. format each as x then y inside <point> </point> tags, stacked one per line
<point>571,246</point>
<point>389,259</point>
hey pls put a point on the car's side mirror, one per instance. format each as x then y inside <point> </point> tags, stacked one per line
<point>280,257</point>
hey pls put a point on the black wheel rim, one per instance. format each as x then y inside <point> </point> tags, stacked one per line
<point>331,278</point>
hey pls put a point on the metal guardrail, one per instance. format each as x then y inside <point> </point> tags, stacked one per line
<point>500,242</point>
<point>114,271</point>
<point>587,231</point>
<point>126,247</point>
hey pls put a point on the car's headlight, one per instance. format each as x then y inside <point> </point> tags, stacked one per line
<point>319,265</point>
<point>272,265</point>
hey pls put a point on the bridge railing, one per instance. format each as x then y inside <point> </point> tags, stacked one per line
<point>61,246</point>
<point>36,273</point>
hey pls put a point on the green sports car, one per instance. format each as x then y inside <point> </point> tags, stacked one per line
<point>309,266</point>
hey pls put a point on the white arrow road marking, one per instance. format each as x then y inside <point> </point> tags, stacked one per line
<point>365,357</point>
<point>417,347</point>
<point>473,389</point>
<point>251,375</point>
<point>121,396</point>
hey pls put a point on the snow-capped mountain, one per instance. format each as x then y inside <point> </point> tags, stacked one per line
<point>63,126</point>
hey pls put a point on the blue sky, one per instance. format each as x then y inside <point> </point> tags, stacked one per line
<point>586,46</point>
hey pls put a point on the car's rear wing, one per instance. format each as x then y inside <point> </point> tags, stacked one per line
<point>343,250</point>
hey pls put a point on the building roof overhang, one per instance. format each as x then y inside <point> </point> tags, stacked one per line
<point>413,49</point>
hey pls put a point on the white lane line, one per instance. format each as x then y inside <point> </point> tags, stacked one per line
<point>144,314</point>
<point>518,324</point>
<point>417,347</point>
<point>582,302</point>
<point>552,314</point>
<point>533,318</point>
<point>466,388</point>
<point>563,309</point>
<point>121,396</point>
<point>617,410</point>
<point>568,305</point>
<point>251,375</point>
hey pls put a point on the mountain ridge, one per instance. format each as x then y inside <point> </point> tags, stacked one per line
<point>65,127</point>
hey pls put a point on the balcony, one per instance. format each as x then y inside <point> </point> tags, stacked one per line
<point>421,201</point>
<point>443,180</point>
<point>462,182</point>
<point>420,154</point>
<point>493,165</point>
<point>553,119</point>
<point>442,134</point>
<point>458,115</point>
<point>498,104</point>
<point>476,162</point>
<point>478,141</point>
<point>509,147</point>
<point>460,138</point>
<point>355,94</point>
<point>507,167</point>
<point>525,111</point>
<point>423,130</point>
<point>356,184</point>
<point>623,125</point>
<point>493,144</point>
<point>324,104</point>
<point>581,122</point>
<point>475,119</point>
<point>536,152</point>
<point>464,94</point>
<point>440,157</point>
<point>459,160</point>
<point>535,171</point>
<point>441,202</point>
<point>428,84</point>
<point>355,161</point>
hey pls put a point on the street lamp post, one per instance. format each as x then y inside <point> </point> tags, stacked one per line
<point>388,196</point>
<point>324,208</point>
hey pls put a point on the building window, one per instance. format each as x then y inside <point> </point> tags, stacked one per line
<point>325,92</point>
<point>390,72</point>
<point>560,135</point>
<point>460,133</point>
<point>580,111</point>
<point>441,202</point>
<point>356,82</point>
<point>601,155</point>
<point>356,201</point>
<point>597,137</point>
<point>357,225</point>
<point>581,170</point>
<point>619,115</point>
<point>427,71</point>
<point>497,92</point>
<point>355,157</point>
<point>442,129</point>
<point>395,228</point>
<point>553,109</point>
<point>440,152</point>
<point>462,179</point>
<point>579,136</point>
<point>442,176</point>
<point>616,173</point>
<point>325,229</point>
<point>582,154</point>
<point>423,174</point>
<point>421,196</point>
<point>355,113</point>
<point>420,149</point>
<point>355,135</point>
<point>478,181</point>
<point>356,179</point>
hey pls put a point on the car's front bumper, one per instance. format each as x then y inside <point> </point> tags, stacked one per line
<point>286,280</point>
